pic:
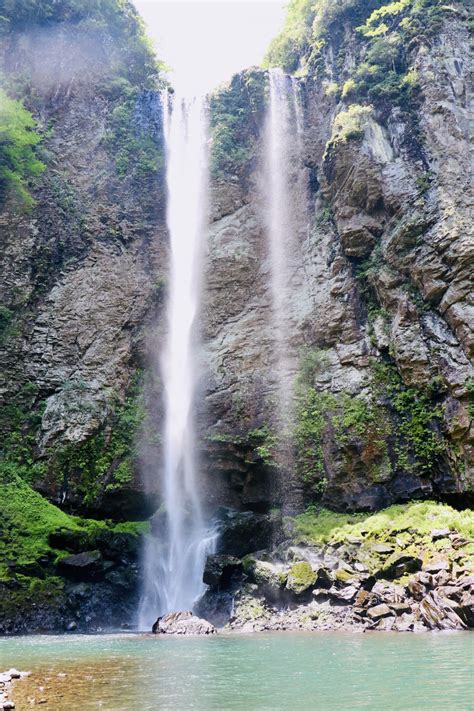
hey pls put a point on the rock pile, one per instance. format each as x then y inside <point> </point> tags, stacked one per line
<point>6,679</point>
<point>355,584</point>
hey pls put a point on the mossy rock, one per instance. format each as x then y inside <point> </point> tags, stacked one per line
<point>301,577</point>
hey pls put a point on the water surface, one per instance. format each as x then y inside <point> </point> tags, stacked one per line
<point>279,671</point>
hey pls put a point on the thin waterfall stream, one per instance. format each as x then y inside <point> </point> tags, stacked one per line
<point>174,558</point>
<point>283,151</point>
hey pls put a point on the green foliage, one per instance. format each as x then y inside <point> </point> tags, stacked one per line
<point>287,48</point>
<point>320,525</point>
<point>6,316</point>
<point>419,420</point>
<point>18,161</point>
<point>313,411</point>
<point>349,125</point>
<point>236,115</point>
<point>264,443</point>
<point>115,20</point>
<point>384,30</point>
<point>134,150</point>
<point>379,21</point>
<point>19,421</point>
<point>312,360</point>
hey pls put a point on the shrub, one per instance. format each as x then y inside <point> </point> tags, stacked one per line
<point>18,160</point>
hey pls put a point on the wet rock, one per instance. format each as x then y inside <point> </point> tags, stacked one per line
<point>182,623</point>
<point>388,592</point>
<point>222,570</point>
<point>69,540</point>
<point>400,608</point>
<point>243,532</point>
<point>382,548</point>
<point>270,578</point>
<point>216,606</point>
<point>416,589</point>
<point>324,579</point>
<point>362,599</point>
<point>87,566</point>
<point>346,594</point>
<point>404,623</point>
<point>385,624</point>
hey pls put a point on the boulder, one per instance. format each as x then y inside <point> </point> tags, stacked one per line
<point>437,613</point>
<point>243,532</point>
<point>347,594</point>
<point>399,565</point>
<point>436,565</point>
<point>379,611</point>
<point>269,577</point>
<point>182,623</point>
<point>87,566</point>
<point>221,570</point>
<point>301,578</point>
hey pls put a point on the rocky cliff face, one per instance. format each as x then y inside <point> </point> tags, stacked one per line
<point>84,269</point>
<point>380,309</point>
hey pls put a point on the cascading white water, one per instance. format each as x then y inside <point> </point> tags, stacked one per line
<point>175,557</point>
<point>282,150</point>
<point>286,212</point>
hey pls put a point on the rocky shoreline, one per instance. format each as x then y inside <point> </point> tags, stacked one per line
<point>401,580</point>
<point>6,684</point>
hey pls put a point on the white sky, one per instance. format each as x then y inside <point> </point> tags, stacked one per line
<point>205,42</point>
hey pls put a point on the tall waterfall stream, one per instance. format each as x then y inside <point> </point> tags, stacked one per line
<point>174,560</point>
<point>175,556</point>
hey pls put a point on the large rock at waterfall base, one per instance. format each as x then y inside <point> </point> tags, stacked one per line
<point>182,623</point>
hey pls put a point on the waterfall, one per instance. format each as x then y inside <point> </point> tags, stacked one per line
<point>283,139</point>
<point>286,225</point>
<point>175,555</point>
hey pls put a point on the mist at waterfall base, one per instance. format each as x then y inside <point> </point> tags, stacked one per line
<point>174,558</point>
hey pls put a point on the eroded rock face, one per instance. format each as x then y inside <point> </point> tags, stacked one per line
<point>380,273</point>
<point>83,271</point>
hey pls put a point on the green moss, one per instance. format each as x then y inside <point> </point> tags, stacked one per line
<point>419,420</point>
<point>313,411</point>
<point>319,525</point>
<point>106,458</point>
<point>422,517</point>
<point>301,577</point>
<point>27,521</point>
